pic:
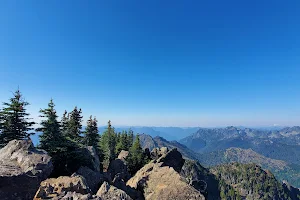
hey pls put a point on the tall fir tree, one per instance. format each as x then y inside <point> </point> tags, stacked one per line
<point>130,138</point>
<point>136,157</point>
<point>91,136</point>
<point>108,145</point>
<point>14,121</point>
<point>74,125</point>
<point>51,137</point>
<point>122,143</point>
<point>64,123</point>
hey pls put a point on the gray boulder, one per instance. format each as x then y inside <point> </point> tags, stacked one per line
<point>107,192</point>
<point>123,155</point>
<point>158,152</point>
<point>171,158</point>
<point>163,183</point>
<point>160,179</point>
<point>118,167</point>
<point>94,157</point>
<point>59,187</point>
<point>77,196</point>
<point>22,168</point>
<point>93,179</point>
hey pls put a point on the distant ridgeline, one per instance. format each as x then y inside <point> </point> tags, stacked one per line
<point>276,150</point>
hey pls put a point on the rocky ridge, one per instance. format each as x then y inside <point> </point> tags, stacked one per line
<point>22,168</point>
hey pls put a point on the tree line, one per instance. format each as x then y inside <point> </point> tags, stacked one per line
<point>65,141</point>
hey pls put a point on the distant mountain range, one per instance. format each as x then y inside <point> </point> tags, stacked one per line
<point>275,150</point>
<point>281,169</point>
<point>281,144</point>
<point>169,133</point>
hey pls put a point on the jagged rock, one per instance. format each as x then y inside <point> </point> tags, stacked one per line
<point>107,192</point>
<point>57,187</point>
<point>95,158</point>
<point>93,179</point>
<point>164,150</point>
<point>158,182</point>
<point>160,179</point>
<point>123,155</point>
<point>118,167</point>
<point>155,153</point>
<point>119,174</point>
<point>158,152</point>
<point>293,192</point>
<point>77,196</point>
<point>22,168</point>
<point>201,179</point>
<point>172,158</point>
<point>120,184</point>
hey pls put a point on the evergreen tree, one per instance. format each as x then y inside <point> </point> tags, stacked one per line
<point>52,140</point>
<point>136,157</point>
<point>91,137</point>
<point>64,123</point>
<point>74,125</point>
<point>62,142</point>
<point>130,138</point>
<point>14,121</point>
<point>51,137</point>
<point>108,145</point>
<point>118,137</point>
<point>122,143</point>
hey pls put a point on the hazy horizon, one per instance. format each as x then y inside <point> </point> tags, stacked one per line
<point>202,64</point>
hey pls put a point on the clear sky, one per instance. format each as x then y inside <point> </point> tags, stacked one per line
<point>160,63</point>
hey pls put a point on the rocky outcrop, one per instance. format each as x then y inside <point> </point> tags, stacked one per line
<point>201,179</point>
<point>119,167</point>
<point>158,152</point>
<point>93,179</point>
<point>119,175</point>
<point>59,187</point>
<point>157,182</point>
<point>77,196</point>
<point>294,193</point>
<point>123,155</point>
<point>160,179</point>
<point>22,168</point>
<point>171,158</point>
<point>95,162</point>
<point>107,192</point>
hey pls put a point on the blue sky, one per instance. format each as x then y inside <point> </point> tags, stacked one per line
<point>160,63</point>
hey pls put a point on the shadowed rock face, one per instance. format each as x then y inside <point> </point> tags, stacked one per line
<point>118,167</point>
<point>22,168</point>
<point>95,159</point>
<point>172,159</point>
<point>94,179</point>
